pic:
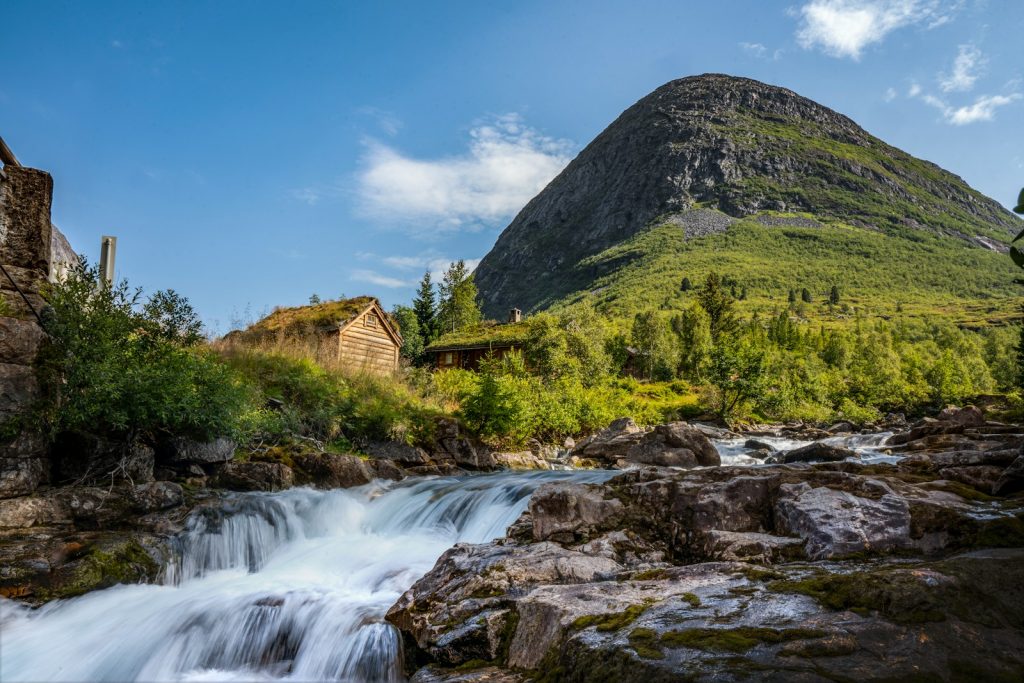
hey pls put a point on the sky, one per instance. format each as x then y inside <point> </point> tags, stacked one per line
<point>250,154</point>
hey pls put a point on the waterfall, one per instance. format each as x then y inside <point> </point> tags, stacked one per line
<point>271,587</point>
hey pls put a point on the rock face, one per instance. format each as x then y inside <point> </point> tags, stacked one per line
<point>732,144</point>
<point>668,575</point>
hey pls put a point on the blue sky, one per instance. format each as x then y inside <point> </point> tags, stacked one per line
<point>249,154</point>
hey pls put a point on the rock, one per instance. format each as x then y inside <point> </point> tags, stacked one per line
<point>158,495</point>
<point>755,445</point>
<point>999,458</point>
<point>255,476</point>
<point>486,674</point>
<point>523,460</point>
<point>18,388</point>
<point>981,478</point>
<point>611,443</point>
<point>837,523</point>
<point>968,416</point>
<point>818,452</point>
<point>94,507</point>
<point>682,435</point>
<point>449,445</point>
<point>568,511</point>
<point>92,460</point>
<point>16,513</point>
<point>24,465</point>
<point>569,443</point>
<point>385,469</point>
<point>751,546</point>
<point>396,451</point>
<point>179,450</point>
<point>333,470</point>
<point>842,427</point>
<point>1011,480</point>
<point>20,340</point>
<point>670,445</point>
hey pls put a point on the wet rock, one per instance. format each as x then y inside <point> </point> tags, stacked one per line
<point>486,674</point>
<point>92,460</point>
<point>818,452</point>
<point>450,445</point>
<point>94,507</point>
<point>623,443</point>
<point>1011,480</point>
<point>755,445</point>
<point>681,435</point>
<point>334,470</point>
<point>178,451</point>
<point>973,458</point>
<point>838,523</point>
<point>981,478</point>
<point>842,427</point>
<point>255,476</point>
<point>385,469</point>
<point>750,546</point>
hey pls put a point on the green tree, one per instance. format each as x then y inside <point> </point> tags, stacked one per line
<point>655,353</point>
<point>458,307</point>
<point>412,338</point>
<point>686,286</point>
<point>805,295</point>
<point>693,330</point>
<point>792,296</point>
<point>737,371</point>
<point>833,295</point>
<point>425,306</point>
<point>717,303</point>
<point>314,299</point>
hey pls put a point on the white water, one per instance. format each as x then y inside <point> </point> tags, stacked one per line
<point>287,586</point>
<point>870,447</point>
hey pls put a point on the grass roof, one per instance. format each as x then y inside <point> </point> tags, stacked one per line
<point>486,333</point>
<point>304,320</point>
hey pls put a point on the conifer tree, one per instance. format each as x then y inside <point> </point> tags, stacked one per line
<point>424,305</point>
<point>458,307</point>
<point>719,306</point>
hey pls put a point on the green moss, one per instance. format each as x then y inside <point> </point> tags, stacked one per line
<point>964,491</point>
<point>692,599</point>
<point>649,575</point>
<point>644,642</point>
<point>736,640</point>
<point>1002,532</point>
<point>612,621</point>
<point>762,575</point>
<point>897,594</point>
<point>125,563</point>
<point>482,334</point>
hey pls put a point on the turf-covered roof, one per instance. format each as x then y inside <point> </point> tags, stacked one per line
<point>305,320</point>
<point>482,336</point>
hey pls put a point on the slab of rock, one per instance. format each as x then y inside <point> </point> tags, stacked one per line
<point>818,452</point>
<point>157,495</point>
<point>522,460</point>
<point>757,445</point>
<point>968,416</point>
<point>569,511</point>
<point>255,476</point>
<point>30,511</point>
<point>24,465</point>
<point>396,451</point>
<point>751,546</point>
<point>838,523</point>
<point>336,470</point>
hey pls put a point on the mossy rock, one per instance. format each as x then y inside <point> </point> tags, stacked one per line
<point>102,566</point>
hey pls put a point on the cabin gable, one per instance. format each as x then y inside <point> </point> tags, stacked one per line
<point>369,342</point>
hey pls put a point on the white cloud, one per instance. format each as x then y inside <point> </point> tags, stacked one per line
<point>914,90</point>
<point>756,49</point>
<point>307,195</point>
<point>843,28</point>
<point>966,68</point>
<point>375,278</point>
<point>890,94</point>
<point>983,108</point>
<point>507,163</point>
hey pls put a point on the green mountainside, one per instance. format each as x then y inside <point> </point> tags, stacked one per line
<point>767,187</point>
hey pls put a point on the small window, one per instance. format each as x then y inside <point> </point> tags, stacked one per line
<point>448,359</point>
<point>371,320</point>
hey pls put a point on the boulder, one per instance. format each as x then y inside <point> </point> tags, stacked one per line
<point>96,508</point>
<point>756,445</point>
<point>396,451</point>
<point>842,427</point>
<point>1011,480</point>
<point>611,443</point>
<point>838,523</point>
<point>818,452</point>
<point>751,546</point>
<point>968,416</point>
<point>982,478</point>
<point>682,435</point>
<point>93,460</point>
<point>30,511</point>
<point>254,476</point>
<point>178,451</point>
<point>451,446</point>
<point>385,469</point>
<point>20,340</point>
<point>333,470</point>
<point>523,460</point>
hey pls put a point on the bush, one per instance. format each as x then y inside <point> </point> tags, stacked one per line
<point>123,368</point>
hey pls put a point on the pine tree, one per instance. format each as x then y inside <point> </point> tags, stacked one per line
<point>792,296</point>
<point>314,300</point>
<point>424,305</point>
<point>805,295</point>
<point>718,305</point>
<point>458,307</point>
<point>833,295</point>
<point>687,285</point>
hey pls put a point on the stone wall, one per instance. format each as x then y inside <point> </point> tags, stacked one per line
<point>25,248</point>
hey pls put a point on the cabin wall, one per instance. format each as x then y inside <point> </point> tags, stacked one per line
<point>468,359</point>
<point>367,347</point>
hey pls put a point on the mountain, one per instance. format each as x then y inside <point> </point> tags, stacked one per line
<point>775,190</point>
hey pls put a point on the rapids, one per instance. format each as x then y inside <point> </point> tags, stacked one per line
<point>284,586</point>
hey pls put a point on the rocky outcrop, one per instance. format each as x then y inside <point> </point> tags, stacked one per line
<point>623,444</point>
<point>254,476</point>
<point>92,460</point>
<point>181,451</point>
<point>675,575</point>
<point>817,452</point>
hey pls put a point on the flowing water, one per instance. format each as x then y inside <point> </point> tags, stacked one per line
<point>286,586</point>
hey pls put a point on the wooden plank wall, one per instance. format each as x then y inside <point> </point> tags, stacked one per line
<point>368,348</point>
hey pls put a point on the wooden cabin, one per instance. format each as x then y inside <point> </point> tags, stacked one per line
<point>465,349</point>
<point>356,334</point>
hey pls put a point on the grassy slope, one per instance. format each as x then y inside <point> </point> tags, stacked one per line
<point>926,275</point>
